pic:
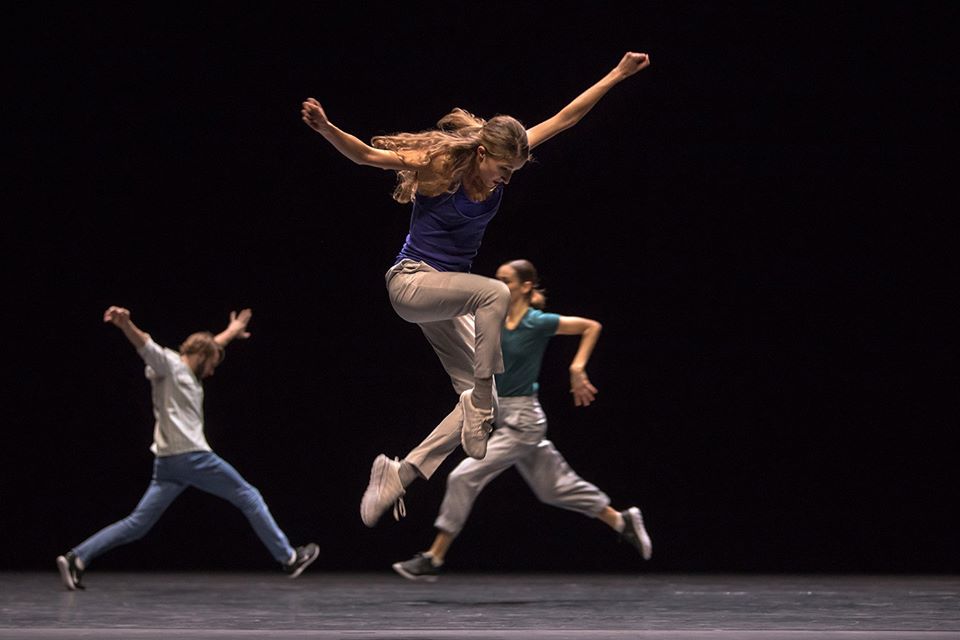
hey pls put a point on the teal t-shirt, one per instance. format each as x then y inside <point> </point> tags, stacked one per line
<point>523,349</point>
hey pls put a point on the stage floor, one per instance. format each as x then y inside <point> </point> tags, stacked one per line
<point>154,606</point>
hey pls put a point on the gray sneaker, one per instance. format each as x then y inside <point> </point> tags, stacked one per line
<point>477,425</point>
<point>635,533</point>
<point>419,568</point>
<point>384,490</point>
<point>70,574</point>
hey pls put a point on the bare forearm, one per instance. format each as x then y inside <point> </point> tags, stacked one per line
<point>574,112</point>
<point>358,151</point>
<point>347,144</point>
<point>226,336</point>
<point>352,147</point>
<point>582,104</point>
<point>588,340</point>
<point>133,333</point>
<point>236,328</point>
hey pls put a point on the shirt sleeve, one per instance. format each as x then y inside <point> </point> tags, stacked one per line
<point>155,357</point>
<point>547,324</point>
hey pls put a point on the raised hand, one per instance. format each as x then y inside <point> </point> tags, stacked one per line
<point>632,63</point>
<point>117,316</point>
<point>238,323</point>
<point>120,318</point>
<point>314,115</point>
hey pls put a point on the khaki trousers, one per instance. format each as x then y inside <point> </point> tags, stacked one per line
<point>518,442</point>
<point>461,315</point>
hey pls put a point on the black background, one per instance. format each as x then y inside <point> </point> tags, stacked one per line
<point>756,220</point>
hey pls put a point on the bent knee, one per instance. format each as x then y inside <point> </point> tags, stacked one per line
<point>457,476</point>
<point>135,527</point>
<point>498,295</point>
<point>550,499</point>
<point>462,475</point>
<point>249,499</point>
<point>502,292</point>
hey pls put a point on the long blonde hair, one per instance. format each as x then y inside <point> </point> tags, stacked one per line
<point>451,149</point>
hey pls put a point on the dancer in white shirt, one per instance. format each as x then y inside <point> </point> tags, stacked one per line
<point>183,457</point>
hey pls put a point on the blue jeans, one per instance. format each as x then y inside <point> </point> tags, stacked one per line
<point>206,471</point>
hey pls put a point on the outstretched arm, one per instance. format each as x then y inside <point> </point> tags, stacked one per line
<point>571,114</point>
<point>120,317</point>
<point>589,331</point>
<point>236,329</point>
<point>351,146</point>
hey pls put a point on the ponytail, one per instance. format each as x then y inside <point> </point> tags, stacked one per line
<point>538,299</point>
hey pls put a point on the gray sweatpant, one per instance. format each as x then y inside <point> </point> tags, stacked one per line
<point>461,315</point>
<point>518,441</point>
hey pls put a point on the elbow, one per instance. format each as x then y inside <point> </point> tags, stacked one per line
<point>596,327</point>
<point>569,117</point>
<point>373,157</point>
<point>364,160</point>
<point>370,161</point>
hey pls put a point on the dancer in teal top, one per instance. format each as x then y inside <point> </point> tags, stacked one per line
<point>519,439</point>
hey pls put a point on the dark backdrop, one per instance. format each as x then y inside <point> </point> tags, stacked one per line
<point>754,219</point>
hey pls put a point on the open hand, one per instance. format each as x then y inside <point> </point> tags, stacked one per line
<point>583,391</point>
<point>238,323</point>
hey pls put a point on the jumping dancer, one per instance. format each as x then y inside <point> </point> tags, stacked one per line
<point>454,176</point>
<point>519,440</point>
<point>183,457</point>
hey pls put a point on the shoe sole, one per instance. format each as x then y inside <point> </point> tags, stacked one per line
<point>478,454</point>
<point>64,567</point>
<point>313,556</point>
<point>412,576</point>
<point>646,545</point>
<point>381,466</point>
<point>376,473</point>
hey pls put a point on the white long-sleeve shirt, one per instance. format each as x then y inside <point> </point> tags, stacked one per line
<point>177,402</point>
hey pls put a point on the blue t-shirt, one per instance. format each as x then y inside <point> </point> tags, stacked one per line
<point>446,230</point>
<point>523,349</point>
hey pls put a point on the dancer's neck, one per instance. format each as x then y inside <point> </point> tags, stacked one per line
<point>516,312</point>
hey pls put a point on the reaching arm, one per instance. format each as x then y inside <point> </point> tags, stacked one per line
<point>589,331</point>
<point>354,148</point>
<point>571,114</point>
<point>237,329</point>
<point>120,317</point>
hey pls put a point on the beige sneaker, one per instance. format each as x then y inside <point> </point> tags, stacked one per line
<point>635,533</point>
<point>385,490</point>
<point>477,426</point>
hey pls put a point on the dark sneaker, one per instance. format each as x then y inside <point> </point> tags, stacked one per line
<point>419,568</point>
<point>384,490</point>
<point>70,574</point>
<point>305,557</point>
<point>635,533</point>
<point>477,425</point>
